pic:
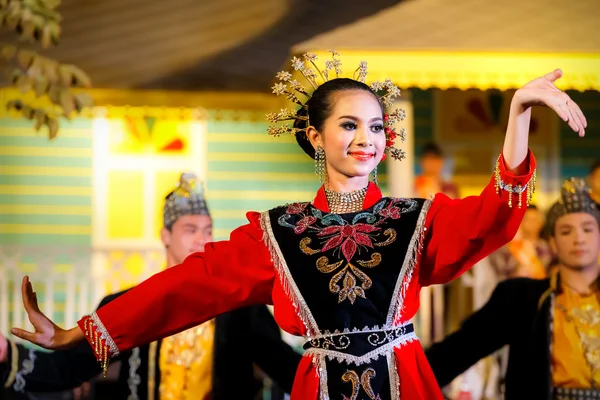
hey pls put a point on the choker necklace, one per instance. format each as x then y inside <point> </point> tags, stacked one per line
<point>345,202</point>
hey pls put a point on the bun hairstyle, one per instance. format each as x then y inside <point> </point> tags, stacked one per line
<point>319,107</point>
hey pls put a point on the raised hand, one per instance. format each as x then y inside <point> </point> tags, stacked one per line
<point>47,334</point>
<point>543,92</point>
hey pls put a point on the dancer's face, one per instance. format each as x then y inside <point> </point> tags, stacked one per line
<point>576,240</point>
<point>353,135</point>
<point>189,234</point>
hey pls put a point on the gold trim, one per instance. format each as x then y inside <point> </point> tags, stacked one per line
<point>393,375</point>
<point>285,276</point>
<point>152,352</point>
<point>410,261</point>
<point>14,365</point>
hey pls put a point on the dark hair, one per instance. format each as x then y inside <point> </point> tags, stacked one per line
<point>595,166</point>
<point>432,149</point>
<point>532,207</point>
<point>320,107</point>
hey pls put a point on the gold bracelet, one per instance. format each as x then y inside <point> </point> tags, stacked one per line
<point>526,190</point>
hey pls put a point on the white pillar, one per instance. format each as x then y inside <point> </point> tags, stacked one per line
<point>400,174</point>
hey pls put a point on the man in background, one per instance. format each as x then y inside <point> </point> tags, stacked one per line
<point>215,360</point>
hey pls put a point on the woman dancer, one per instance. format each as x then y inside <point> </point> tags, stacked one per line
<point>345,270</point>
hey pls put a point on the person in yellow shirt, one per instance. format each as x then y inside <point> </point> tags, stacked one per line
<point>552,326</point>
<point>215,360</point>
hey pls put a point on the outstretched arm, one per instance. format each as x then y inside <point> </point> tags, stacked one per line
<point>480,335</point>
<point>30,370</point>
<point>459,233</point>
<point>228,275</point>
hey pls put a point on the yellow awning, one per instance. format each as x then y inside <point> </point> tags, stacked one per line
<point>465,44</point>
<point>467,70</point>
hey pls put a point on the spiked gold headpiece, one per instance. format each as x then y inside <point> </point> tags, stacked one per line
<point>282,122</point>
<point>187,198</point>
<point>574,198</point>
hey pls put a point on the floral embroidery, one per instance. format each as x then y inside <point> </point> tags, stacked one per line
<point>345,240</point>
<point>364,381</point>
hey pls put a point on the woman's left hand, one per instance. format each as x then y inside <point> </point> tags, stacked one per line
<point>542,92</point>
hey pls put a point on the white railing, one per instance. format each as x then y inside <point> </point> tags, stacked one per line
<point>70,280</point>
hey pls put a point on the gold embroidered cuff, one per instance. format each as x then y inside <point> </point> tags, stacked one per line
<point>525,191</point>
<point>102,344</point>
<point>14,364</point>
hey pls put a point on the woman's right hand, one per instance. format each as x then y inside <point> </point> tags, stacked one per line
<point>47,334</point>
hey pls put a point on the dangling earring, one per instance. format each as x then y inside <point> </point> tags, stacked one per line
<point>375,175</point>
<point>320,170</point>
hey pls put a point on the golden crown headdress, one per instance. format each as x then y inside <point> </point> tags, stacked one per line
<point>283,121</point>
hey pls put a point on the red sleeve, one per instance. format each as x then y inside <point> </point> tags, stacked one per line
<point>461,232</point>
<point>227,275</point>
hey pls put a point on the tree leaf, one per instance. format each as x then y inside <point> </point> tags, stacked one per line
<point>24,83</point>
<point>27,31</point>
<point>27,111</point>
<point>54,93</point>
<point>67,102</point>
<point>64,75</point>
<point>41,86</point>
<point>51,70</point>
<point>40,118</point>
<point>52,127</point>
<point>46,37</point>
<point>80,78</point>
<point>26,57</point>
<point>83,100</point>
<point>16,104</point>
<point>36,68</point>
<point>8,52</point>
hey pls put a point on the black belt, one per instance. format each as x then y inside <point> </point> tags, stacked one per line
<point>576,394</point>
<point>355,343</point>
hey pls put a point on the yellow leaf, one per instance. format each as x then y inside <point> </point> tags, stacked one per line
<point>54,28</point>
<point>36,68</point>
<point>27,30</point>
<point>11,21</point>
<point>26,58</point>
<point>16,104</point>
<point>80,78</point>
<point>41,86</point>
<point>27,112</point>
<point>40,118</point>
<point>52,127</point>
<point>83,100</point>
<point>24,83</point>
<point>65,76</point>
<point>54,93</point>
<point>8,52</point>
<point>26,15</point>
<point>51,70</point>
<point>67,102</point>
<point>46,37</point>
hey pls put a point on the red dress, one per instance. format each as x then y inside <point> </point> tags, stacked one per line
<point>265,261</point>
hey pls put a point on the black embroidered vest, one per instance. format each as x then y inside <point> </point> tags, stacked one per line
<point>346,276</point>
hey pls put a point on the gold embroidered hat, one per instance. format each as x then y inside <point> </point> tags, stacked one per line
<point>295,120</point>
<point>186,199</point>
<point>574,198</point>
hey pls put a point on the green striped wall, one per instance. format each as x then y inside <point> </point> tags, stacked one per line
<point>577,154</point>
<point>45,186</point>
